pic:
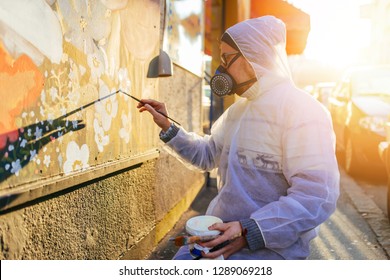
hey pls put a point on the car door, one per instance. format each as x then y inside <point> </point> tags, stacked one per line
<point>338,107</point>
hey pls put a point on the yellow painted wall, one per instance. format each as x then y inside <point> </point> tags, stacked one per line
<point>57,59</point>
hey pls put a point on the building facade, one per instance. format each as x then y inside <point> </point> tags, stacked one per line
<point>83,174</point>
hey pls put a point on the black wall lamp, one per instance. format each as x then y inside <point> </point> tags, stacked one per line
<point>161,65</point>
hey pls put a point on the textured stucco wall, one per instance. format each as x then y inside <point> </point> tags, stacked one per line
<point>116,216</point>
<point>98,221</point>
<point>182,96</point>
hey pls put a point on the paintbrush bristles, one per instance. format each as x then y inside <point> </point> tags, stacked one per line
<point>185,240</point>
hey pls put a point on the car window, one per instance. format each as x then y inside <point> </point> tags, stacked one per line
<point>371,82</point>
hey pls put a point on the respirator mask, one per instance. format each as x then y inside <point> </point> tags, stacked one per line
<point>222,83</point>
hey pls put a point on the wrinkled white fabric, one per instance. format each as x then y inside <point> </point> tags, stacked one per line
<point>274,150</point>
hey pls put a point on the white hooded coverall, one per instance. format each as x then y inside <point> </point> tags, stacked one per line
<point>274,149</point>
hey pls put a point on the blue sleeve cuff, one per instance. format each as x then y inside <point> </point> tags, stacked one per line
<point>169,134</point>
<point>253,234</point>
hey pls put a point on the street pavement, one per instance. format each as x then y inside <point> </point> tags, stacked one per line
<point>358,230</point>
<point>348,234</point>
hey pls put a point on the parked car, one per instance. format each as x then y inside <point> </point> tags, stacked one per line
<point>321,92</point>
<point>384,153</point>
<point>359,106</point>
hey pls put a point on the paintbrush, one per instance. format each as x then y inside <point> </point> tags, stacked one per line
<point>136,99</point>
<point>185,240</point>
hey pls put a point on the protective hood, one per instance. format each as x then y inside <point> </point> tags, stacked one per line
<point>262,41</point>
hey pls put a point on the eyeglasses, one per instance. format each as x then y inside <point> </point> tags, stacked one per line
<point>224,58</point>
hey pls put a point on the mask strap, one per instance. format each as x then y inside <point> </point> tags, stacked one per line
<point>234,59</point>
<point>246,83</point>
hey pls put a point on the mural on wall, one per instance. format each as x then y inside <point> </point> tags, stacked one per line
<point>60,63</point>
<point>183,34</point>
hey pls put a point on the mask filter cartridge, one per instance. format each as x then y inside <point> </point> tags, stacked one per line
<point>221,84</point>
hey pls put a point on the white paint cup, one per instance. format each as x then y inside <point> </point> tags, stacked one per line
<point>198,226</point>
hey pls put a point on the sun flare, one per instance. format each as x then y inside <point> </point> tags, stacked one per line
<point>339,35</point>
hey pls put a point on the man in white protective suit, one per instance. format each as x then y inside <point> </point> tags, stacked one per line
<point>274,148</point>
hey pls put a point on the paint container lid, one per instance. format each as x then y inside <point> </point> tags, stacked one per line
<point>198,226</point>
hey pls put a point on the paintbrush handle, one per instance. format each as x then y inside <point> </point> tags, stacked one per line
<point>185,240</point>
<point>136,99</point>
<point>220,246</point>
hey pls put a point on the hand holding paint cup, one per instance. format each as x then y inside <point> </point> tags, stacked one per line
<point>198,226</point>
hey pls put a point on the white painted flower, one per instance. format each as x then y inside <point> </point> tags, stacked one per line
<point>33,155</point>
<point>87,23</point>
<point>23,143</point>
<point>63,110</point>
<point>53,93</point>
<point>46,160</point>
<point>76,157</point>
<point>73,95</point>
<point>42,111</point>
<point>50,118</point>
<point>72,71</point>
<point>43,96</point>
<point>16,167</point>
<point>60,160</point>
<point>75,124</point>
<point>30,27</point>
<point>38,133</point>
<point>96,64</point>
<point>60,133</point>
<point>107,109</point>
<point>124,80</point>
<point>124,132</point>
<point>100,138</point>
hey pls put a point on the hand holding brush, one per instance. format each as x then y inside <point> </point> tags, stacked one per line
<point>152,103</point>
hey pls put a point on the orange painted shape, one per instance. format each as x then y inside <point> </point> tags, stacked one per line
<point>21,84</point>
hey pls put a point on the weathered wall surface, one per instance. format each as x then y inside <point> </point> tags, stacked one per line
<point>59,66</point>
<point>57,59</point>
<point>99,221</point>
